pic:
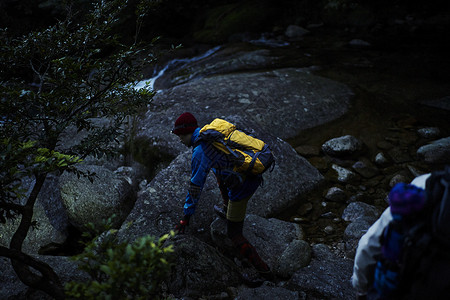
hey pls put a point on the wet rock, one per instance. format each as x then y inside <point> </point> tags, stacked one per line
<point>343,175</point>
<point>294,32</point>
<point>342,146</point>
<point>399,155</point>
<point>326,277</point>
<point>397,179</point>
<point>381,160</point>
<point>414,171</point>
<point>87,202</point>
<point>365,168</point>
<point>353,232</point>
<point>357,210</point>
<point>436,152</point>
<point>335,194</point>
<point>357,43</point>
<point>429,132</point>
<point>329,229</point>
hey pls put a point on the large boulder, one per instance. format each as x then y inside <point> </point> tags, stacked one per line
<point>200,269</point>
<point>159,205</point>
<point>92,202</point>
<point>50,221</point>
<point>38,236</point>
<point>437,152</point>
<point>282,102</point>
<point>326,277</point>
<point>275,241</point>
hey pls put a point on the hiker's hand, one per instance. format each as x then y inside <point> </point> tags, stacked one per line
<point>181,227</point>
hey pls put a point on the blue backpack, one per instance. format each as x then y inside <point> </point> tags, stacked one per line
<point>415,246</point>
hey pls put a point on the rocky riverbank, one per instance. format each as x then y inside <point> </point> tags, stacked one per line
<point>337,154</point>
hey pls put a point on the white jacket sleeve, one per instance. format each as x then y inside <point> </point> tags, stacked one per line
<point>368,248</point>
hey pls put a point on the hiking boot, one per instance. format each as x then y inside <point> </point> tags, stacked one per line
<point>220,211</point>
<point>249,252</point>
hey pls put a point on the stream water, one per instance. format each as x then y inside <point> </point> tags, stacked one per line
<point>392,82</point>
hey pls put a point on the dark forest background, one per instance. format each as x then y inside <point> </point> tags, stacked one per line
<point>183,21</point>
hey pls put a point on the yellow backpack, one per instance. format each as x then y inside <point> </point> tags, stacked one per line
<point>249,154</point>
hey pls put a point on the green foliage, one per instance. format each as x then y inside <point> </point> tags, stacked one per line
<point>65,93</point>
<point>63,78</point>
<point>122,270</point>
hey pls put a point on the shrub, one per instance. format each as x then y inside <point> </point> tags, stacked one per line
<point>122,270</point>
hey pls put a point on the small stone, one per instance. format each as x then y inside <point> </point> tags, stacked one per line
<point>429,132</point>
<point>335,194</point>
<point>397,179</point>
<point>344,175</point>
<point>342,146</point>
<point>329,229</point>
<point>381,160</point>
<point>328,215</point>
<point>357,43</point>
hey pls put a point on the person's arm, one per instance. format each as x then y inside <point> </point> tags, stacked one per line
<point>200,167</point>
<point>368,249</point>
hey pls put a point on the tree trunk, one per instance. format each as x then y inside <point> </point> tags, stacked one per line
<point>48,281</point>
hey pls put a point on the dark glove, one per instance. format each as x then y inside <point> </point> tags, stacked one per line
<point>181,228</point>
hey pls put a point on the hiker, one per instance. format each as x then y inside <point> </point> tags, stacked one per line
<point>236,188</point>
<point>369,248</point>
<point>404,253</point>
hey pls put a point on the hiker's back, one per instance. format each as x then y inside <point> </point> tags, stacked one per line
<point>415,260</point>
<point>249,154</point>
<point>430,277</point>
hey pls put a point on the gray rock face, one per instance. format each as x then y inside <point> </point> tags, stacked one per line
<point>436,152</point>
<point>297,255</point>
<point>282,102</point>
<point>200,269</point>
<point>279,243</point>
<point>40,236</point>
<point>356,210</point>
<point>326,277</point>
<point>86,202</point>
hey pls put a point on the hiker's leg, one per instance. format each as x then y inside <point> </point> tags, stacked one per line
<point>235,223</point>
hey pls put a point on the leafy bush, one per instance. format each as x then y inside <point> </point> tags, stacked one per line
<point>122,270</point>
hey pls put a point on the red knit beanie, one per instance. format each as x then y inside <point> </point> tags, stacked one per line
<point>186,123</point>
